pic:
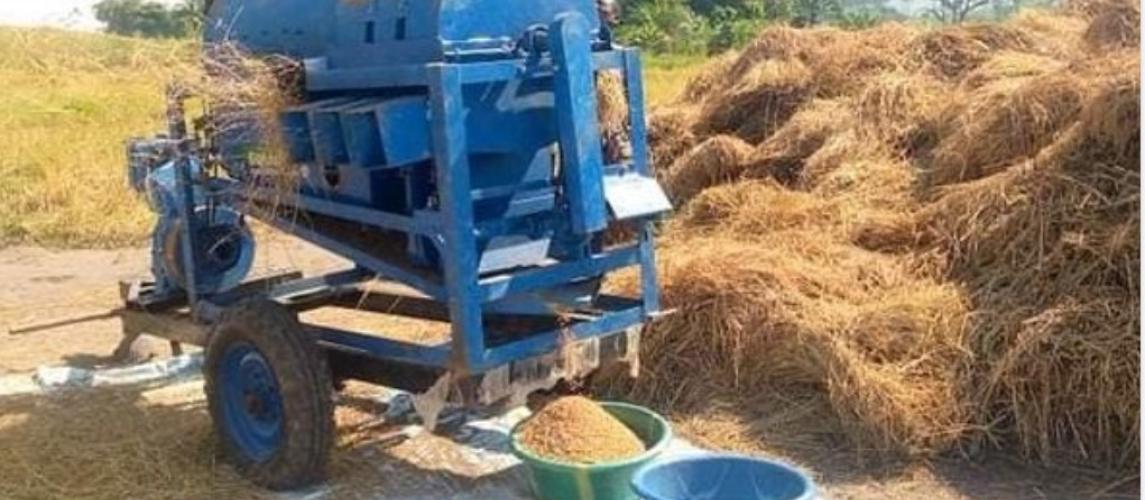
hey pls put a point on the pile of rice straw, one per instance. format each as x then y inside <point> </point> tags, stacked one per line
<point>933,232</point>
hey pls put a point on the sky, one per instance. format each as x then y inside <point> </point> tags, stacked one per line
<point>75,14</point>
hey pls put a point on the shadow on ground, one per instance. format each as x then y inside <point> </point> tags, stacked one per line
<point>803,431</point>
<point>158,442</point>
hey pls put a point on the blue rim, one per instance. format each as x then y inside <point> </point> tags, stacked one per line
<point>638,479</point>
<point>251,401</point>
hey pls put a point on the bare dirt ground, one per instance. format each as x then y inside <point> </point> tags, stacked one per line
<point>44,286</point>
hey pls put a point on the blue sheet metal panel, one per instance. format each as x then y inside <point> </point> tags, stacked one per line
<point>512,204</point>
<point>475,19</point>
<point>299,28</point>
<point>556,300</point>
<point>394,32</point>
<point>363,139</point>
<point>391,133</point>
<point>511,251</point>
<point>496,71</point>
<point>530,202</point>
<point>295,127</point>
<point>436,356</point>
<point>361,186</point>
<point>294,122</point>
<point>404,128</point>
<point>544,343</point>
<point>385,33</point>
<point>499,71</point>
<point>501,286</point>
<point>514,116</point>
<point>459,255</point>
<point>582,160</point>
<point>321,77</point>
<point>327,133</point>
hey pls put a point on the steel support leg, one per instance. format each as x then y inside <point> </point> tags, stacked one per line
<point>456,204</point>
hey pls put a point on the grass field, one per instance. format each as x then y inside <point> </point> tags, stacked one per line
<point>71,99</point>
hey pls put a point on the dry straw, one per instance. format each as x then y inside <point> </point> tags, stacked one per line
<point>941,250</point>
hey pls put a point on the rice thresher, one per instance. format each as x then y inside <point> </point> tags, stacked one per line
<point>451,150</point>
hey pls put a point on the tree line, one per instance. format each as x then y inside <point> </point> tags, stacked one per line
<point>150,19</point>
<point>712,26</point>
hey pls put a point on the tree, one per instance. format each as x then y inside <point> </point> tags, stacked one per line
<point>955,11</point>
<point>734,27</point>
<point>146,18</point>
<point>812,12</point>
<point>664,26</point>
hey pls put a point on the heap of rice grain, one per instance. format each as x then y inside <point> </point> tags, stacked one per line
<point>576,429</point>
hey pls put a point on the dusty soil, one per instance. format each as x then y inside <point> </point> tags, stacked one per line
<point>45,286</point>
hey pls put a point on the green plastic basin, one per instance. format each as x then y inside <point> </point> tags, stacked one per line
<point>555,480</point>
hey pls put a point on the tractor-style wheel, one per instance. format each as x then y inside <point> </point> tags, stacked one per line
<point>269,393</point>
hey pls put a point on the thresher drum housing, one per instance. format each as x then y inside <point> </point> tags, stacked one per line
<point>451,150</point>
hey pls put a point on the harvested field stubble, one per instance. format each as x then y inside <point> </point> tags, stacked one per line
<point>943,250</point>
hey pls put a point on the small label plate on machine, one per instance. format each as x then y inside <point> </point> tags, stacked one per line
<point>634,195</point>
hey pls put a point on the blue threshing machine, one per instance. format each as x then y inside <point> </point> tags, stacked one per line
<point>451,150</point>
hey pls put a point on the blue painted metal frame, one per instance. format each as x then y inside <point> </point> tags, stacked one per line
<point>462,287</point>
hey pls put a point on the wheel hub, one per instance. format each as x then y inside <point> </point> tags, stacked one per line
<point>252,404</point>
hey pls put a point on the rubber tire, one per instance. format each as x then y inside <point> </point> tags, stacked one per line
<point>304,383</point>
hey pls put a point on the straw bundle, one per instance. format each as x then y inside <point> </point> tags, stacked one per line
<point>1008,65</point>
<point>782,155</point>
<point>780,43</point>
<point>712,77</point>
<point>894,107</point>
<point>954,52</point>
<point>755,207</point>
<point>1116,25</point>
<point>1008,120</point>
<point>715,161</point>
<point>843,64</point>
<point>803,311</point>
<point>1049,251</point>
<point>766,96</point>
<point>670,135</point>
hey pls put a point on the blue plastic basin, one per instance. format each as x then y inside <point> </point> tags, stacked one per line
<point>713,476</point>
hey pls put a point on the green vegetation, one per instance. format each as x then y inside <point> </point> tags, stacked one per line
<point>665,76</point>
<point>713,26</point>
<point>70,100</point>
<point>149,19</point>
